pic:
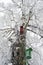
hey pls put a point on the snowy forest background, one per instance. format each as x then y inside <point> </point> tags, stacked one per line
<point>10,21</point>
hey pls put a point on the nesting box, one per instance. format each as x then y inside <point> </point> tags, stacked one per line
<point>28,53</point>
<point>21,29</point>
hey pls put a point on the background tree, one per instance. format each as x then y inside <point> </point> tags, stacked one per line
<point>30,14</point>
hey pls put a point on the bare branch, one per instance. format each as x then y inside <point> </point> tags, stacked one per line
<point>35,33</point>
<point>8,32</point>
<point>16,3</point>
<point>6,29</point>
<point>11,33</point>
<point>9,11</point>
<point>35,27</point>
<point>30,14</point>
<point>34,5</point>
<point>37,18</point>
